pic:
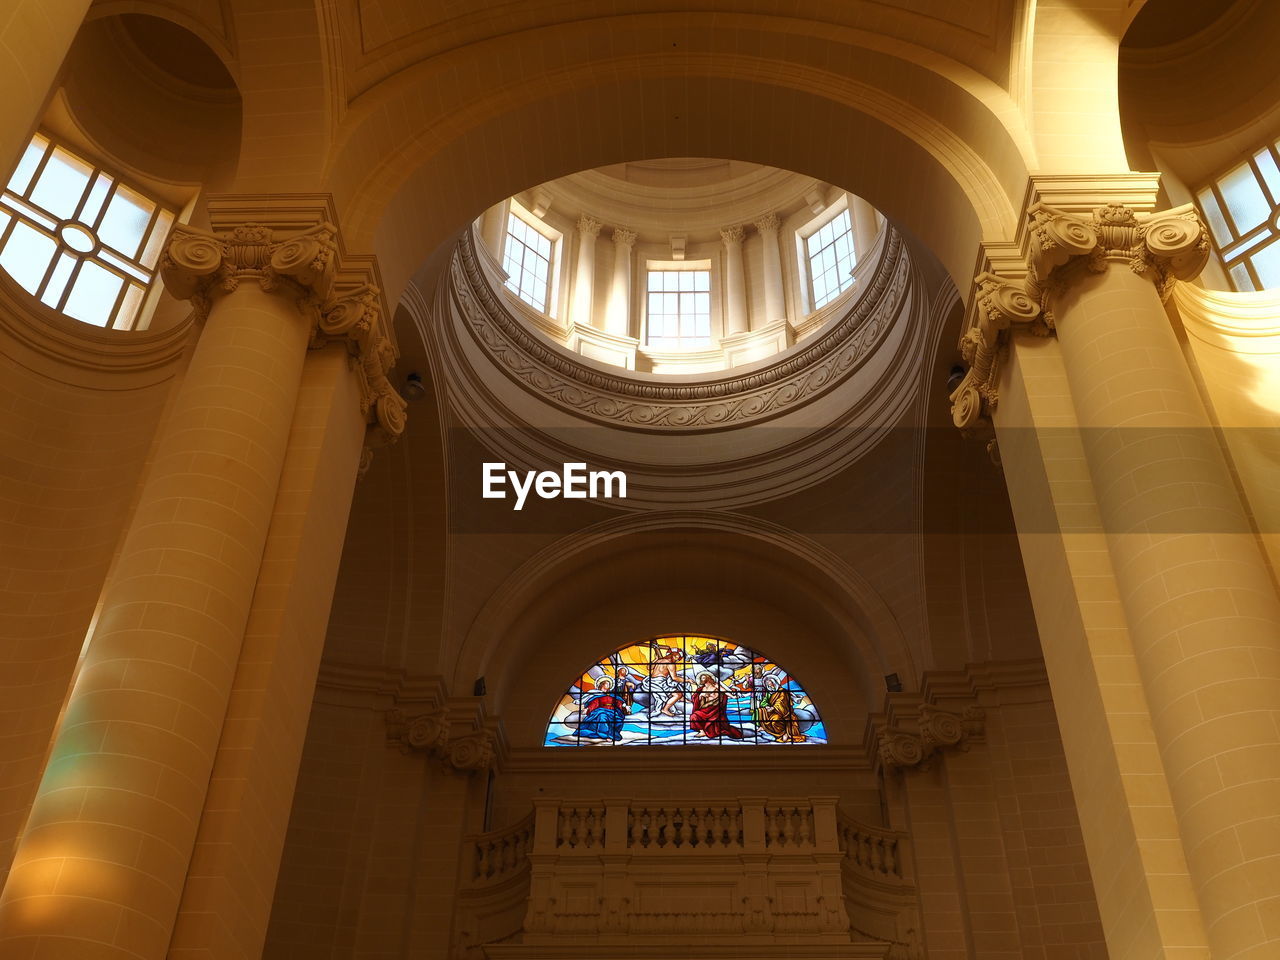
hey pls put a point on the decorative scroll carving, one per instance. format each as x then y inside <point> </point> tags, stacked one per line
<point>1165,247</point>
<point>910,739</point>
<point>354,317</point>
<point>198,265</point>
<point>429,733</point>
<point>1000,304</point>
<point>626,401</point>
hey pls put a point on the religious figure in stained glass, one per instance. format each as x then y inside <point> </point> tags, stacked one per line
<point>685,690</point>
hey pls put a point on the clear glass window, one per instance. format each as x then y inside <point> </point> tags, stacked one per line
<point>679,309</point>
<point>1242,211</point>
<point>526,257</point>
<point>830,254</point>
<point>77,238</point>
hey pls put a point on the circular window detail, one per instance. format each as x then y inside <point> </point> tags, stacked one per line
<point>77,237</point>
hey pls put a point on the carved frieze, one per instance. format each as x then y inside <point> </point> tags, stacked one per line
<point>825,362</point>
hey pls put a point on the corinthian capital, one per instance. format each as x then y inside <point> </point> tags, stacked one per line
<point>589,226</point>
<point>768,224</point>
<point>997,305</point>
<point>624,236</point>
<point>198,265</point>
<point>733,234</point>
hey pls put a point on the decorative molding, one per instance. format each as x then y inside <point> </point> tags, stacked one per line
<point>624,236</point>
<point>589,227</point>
<point>732,235</point>
<point>766,393</point>
<point>769,223</point>
<point>452,731</point>
<point>341,300</point>
<point>1058,246</point>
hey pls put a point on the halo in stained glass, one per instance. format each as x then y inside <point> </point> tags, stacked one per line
<point>684,690</point>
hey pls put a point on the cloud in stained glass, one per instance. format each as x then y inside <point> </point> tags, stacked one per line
<point>684,690</point>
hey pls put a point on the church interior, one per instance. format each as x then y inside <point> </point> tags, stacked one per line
<point>916,598</point>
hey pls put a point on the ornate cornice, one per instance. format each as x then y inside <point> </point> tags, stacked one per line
<point>561,378</point>
<point>1059,247</point>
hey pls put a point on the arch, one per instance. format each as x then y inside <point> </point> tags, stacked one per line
<point>580,103</point>
<point>810,590</point>
<point>685,690</point>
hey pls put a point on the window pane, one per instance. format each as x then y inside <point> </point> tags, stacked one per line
<point>1266,264</point>
<point>1244,199</point>
<point>155,243</point>
<point>1240,277</point>
<point>93,297</point>
<point>1213,213</point>
<point>93,205</point>
<point>21,178</point>
<point>1267,164</point>
<point>127,319</point>
<point>58,280</point>
<point>26,256</point>
<point>62,183</point>
<point>126,220</point>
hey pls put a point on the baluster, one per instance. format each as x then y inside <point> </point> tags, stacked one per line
<point>789,817</point>
<point>645,821</point>
<point>806,826</point>
<point>891,865</point>
<point>686,829</point>
<point>864,851</point>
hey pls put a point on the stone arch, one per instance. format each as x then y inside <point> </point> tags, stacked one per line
<point>809,588</point>
<point>753,88</point>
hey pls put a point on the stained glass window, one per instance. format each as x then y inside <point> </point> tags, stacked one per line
<point>1242,209</point>
<point>691,690</point>
<point>74,236</point>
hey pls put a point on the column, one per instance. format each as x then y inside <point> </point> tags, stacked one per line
<point>107,850</point>
<point>35,35</point>
<point>585,275</point>
<point>618,315</point>
<point>774,308</point>
<point>1201,607</point>
<point>493,227</point>
<point>735,283</point>
<point>866,225</point>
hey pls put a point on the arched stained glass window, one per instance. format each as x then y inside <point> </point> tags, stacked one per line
<point>673,690</point>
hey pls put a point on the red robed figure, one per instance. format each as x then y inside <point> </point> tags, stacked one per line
<point>710,715</point>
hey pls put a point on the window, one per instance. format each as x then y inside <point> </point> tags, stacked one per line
<point>829,252</point>
<point>1242,209</point>
<point>695,690</point>
<point>679,309</point>
<point>526,256</point>
<point>78,238</point>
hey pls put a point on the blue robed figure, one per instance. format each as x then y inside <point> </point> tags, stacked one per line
<point>602,712</point>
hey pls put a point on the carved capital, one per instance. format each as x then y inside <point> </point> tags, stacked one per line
<point>198,265</point>
<point>732,235</point>
<point>898,750</point>
<point>769,223</point>
<point>624,236</point>
<point>429,733</point>
<point>589,227</point>
<point>910,735</point>
<point>998,305</point>
<point>1166,246</point>
<point>354,318</point>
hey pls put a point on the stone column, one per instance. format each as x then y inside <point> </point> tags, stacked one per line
<point>493,227</point>
<point>774,307</point>
<point>585,275</point>
<point>1200,611</point>
<point>866,225</point>
<point>35,35</point>
<point>106,852</point>
<point>618,316</point>
<point>735,282</point>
